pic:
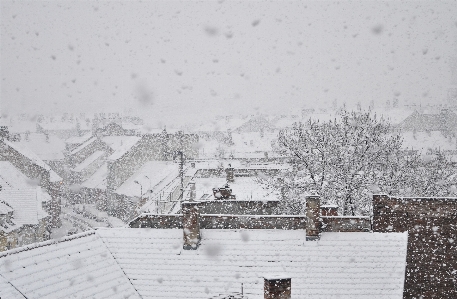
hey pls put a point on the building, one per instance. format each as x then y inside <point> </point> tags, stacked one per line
<point>36,171</point>
<point>197,261</point>
<point>25,209</point>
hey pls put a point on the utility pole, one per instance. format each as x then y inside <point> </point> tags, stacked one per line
<point>181,172</point>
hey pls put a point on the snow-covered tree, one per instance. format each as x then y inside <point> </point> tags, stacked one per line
<point>350,158</point>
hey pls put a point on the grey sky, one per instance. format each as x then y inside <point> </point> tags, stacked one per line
<point>174,59</point>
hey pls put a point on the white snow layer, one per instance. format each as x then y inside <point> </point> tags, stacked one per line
<point>150,263</point>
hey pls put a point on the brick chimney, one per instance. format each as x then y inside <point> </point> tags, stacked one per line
<point>190,225</point>
<point>277,287</point>
<point>313,224</point>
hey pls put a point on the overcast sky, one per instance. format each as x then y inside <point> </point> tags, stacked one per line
<point>187,59</point>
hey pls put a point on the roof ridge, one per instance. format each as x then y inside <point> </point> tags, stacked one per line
<point>46,243</point>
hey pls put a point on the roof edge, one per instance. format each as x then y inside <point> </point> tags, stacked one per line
<point>46,243</point>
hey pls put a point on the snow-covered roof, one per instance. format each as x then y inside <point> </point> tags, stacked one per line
<point>98,179</point>
<point>7,290</point>
<point>394,116</point>
<point>12,178</point>
<point>423,141</point>
<point>122,145</point>
<point>251,142</point>
<point>26,205</point>
<point>79,266</point>
<point>21,126</point>
<point>58,126</point>
<point>78,139</point>
<point>5,208</point>
<point>151,176</point>
<point>83,145</point>
<point>54,177</point>
<point>244,188</point>
<point>94,156</point>
<point>347,265</point>
<point>221,125</point>
<point>46,150</point>
<point>150,263</point>
<point>117,142</point>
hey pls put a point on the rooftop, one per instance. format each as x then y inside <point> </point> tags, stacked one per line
<point>54,177</point>
<point>83,145</point>
<point>89,160</point>
<point>98,179</point>
<point>150,263</point>
<point>79,139</point>
<point>50,148</point>
<point>26,205</point>
<point>120,144</point>
<point>79,266</point>
<point>244,188</point>
<point>152,175</point>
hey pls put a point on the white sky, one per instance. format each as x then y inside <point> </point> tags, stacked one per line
<point>173,59</point>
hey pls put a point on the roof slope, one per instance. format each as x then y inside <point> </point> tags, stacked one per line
<point>340,265</point>
<point>47,149</point>
<point>79,266</point>
<point>8,291</point>
<point>54,177</point>
<point>25,205</point>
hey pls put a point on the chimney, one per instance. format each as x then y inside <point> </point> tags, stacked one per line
<point>277,287</point>
<point>230,171</point>
<point>190,225</point>
<point>313,222</point>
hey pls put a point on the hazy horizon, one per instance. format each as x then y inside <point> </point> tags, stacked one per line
<point>170,61</point>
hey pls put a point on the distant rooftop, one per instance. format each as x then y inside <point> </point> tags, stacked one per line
<point>244,188</point>
<point>47,148</point>
<point>54,177</point>
<point>151,175</point>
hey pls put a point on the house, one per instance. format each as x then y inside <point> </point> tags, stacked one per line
<point>47,147</point>
<point>110,182</point>
<point>23,217</point>
<point>198,261</point>
<point>431,224</point>
<point>61,129</point>
<point>445,121</point>
<point>37,171</point>
<point>25,209</point>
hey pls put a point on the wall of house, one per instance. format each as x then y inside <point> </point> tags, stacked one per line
<point>3,241</point>
<point>25,235</point>
<point>238,207</point>
<point>345,224</point>
<point>252,222</point>
<point>223,222</point>
<point>431,224</point>
<point>122,206</point>
<point>151,147</point>
<point>157,221</point>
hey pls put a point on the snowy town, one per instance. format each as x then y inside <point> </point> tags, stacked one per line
<point>148,194</point>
